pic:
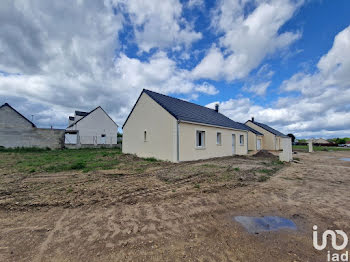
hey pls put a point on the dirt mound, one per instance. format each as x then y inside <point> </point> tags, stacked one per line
<point>265,154</point>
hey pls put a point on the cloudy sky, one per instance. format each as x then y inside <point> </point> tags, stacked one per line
<point>285,62</point>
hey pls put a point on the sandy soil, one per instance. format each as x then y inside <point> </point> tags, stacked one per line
<point>174,212</point>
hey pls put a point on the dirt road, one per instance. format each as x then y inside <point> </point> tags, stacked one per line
<point>169,212</point>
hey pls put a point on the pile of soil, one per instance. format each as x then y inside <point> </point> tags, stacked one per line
<point>264,154</point>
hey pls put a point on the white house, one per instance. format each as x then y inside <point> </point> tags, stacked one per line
<point>171,129</point>
<point>91,129</point>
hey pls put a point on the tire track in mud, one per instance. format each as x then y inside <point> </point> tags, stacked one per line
<point>44,246</point>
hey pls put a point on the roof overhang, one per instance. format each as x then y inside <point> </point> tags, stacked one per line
<point>202,124</point>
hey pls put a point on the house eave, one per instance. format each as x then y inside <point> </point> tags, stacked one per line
<point>203,124</point>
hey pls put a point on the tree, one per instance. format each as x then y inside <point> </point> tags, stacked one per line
<point>292,136</point>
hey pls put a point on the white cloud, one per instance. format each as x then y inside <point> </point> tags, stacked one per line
<point>321,109</point>
<point>247,39</point>
<point>258,89</point>
<point>158,24</point>
<point>61,56</point>
<point>195,3</point>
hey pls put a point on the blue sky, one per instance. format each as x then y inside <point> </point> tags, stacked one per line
<point>285,62</point>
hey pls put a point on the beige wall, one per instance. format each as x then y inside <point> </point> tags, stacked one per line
<point>268,140</point>
<point>161,131</point>
<point>187,142</point>
<point>252,141</point>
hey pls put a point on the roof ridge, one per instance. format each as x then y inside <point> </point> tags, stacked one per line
<point>262,125</point>
<point>147,90</point>
<point>204,114</point>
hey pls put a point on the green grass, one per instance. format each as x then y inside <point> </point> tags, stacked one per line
<point>321,148</point>
<point>30,160</point>
<point>265,171</point>
<point>150,159</point>
<point>24,149</point>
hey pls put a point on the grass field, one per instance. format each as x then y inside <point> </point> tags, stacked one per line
<point>33,160</point>
<point>321,148</point>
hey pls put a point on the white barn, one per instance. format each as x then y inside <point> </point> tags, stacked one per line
<point>91,129</point>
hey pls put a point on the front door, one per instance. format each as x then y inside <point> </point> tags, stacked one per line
<point>258,144</point>
<point>233,144</point>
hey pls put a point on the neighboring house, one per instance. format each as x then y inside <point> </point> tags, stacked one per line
<point>321,141</point>
<point>255,139</point>
<point>272,139</point>
<point>171,129</point>
<point>91,129</point>
<point>17,131</point>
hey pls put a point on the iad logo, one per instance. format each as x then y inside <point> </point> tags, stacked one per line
<point>333,235</point>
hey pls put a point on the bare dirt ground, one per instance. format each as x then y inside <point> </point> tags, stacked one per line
<point>173,212</point>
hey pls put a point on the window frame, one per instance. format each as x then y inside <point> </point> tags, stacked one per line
<point>241,140</point>
<point>202,134</point>
<point>218,141</point>
<point>145,136</point>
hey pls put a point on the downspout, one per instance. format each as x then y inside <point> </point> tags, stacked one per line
<point>177,141</point>
<point>247,142</point>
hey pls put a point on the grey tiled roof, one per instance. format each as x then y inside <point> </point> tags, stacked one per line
<point>270,129</point>
<point>186,111</point>
<point>254,131</point>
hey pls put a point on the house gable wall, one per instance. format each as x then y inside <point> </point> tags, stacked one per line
<point>268,140</point>
<point>160,127</point>
<point>11,119</point>
<point>94,125</point>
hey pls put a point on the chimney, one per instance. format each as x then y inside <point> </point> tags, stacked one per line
<point>217,108</point>
<point>253,119</point>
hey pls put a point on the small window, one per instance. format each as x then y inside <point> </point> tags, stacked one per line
<point>200,139</point>
<point>218,138</point>
<point>145,136</point>
<point>103,138</point>
<point>241,139</point>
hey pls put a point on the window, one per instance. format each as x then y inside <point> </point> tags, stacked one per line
<point>241,139</point>
<point>145,136</point>
<point>103,139</point>
<point>200,139</point>
<point>218,138</point>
